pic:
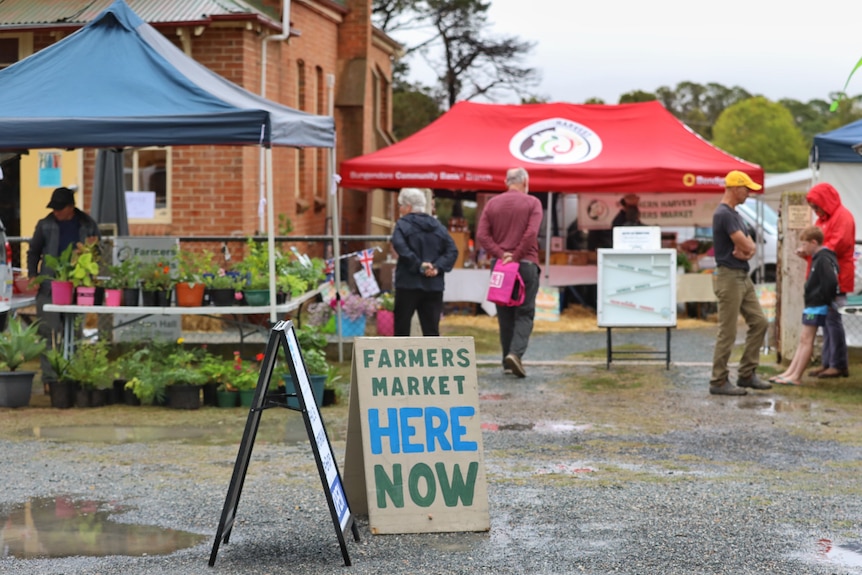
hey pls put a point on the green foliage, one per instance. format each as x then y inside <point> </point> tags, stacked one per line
<point>85,264</point>
<point>255,265</point>
<point>61,266</point>
<point>216,368</point>
<point>386,301</point>
<point>762,132</point>
<point>59,363</point>
<point>413,107</point>
<point>285,226</point>
<point>124,275</point>
<point>294,285</point>
<point>191,265</point>
<point>89,365</point>
<point>221,279</point>
<point>19,344</point>
<point>245,374</point>
<point>156,276</point>
<point>140,370</point>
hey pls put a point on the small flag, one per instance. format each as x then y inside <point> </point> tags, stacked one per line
<point>329,270</point>
<point>366,258</point>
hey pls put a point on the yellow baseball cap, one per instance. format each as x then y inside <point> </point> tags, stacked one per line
<point>736,178</point>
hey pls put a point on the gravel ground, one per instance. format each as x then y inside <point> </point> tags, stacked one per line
<point>588,472</point>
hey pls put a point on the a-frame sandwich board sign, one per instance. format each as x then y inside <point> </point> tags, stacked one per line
<point>284,335</point>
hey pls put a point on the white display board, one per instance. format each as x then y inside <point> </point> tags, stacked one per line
<point>636,288</point>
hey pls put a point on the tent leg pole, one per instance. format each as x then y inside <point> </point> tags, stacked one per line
<point>336,250</point>
<point>270,236</point>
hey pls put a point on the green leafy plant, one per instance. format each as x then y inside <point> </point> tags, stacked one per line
<point>89,365</point>
<point>245,374</point>
<point>156,276</point>
<point>255,265</point>
<point>222,279</point>
<point>141,373</point>
<point>386,301</point>
<point>60,267</point>
<point>19,344</point>
<point>124,275</point>
<point>217,370</point>
<point>193,266</point>
<point>291,284</point>
<point>180,365</point>
<point>85,264</point>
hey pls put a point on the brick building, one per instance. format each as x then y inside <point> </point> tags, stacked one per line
<point>333,63</point>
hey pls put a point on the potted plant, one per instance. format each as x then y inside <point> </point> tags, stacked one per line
<point>218,372</point>
<point>312,343</point>
<point>59,273</point>
<point>244,378</point>
<point>255,268</point>
<point>85,270</point>
<point>19,344</point>
<point>223,287</point>
<point>62,388</point>
<point>89,367</point>
<point>191,269</point>
<point>386,314</point>
<point>355,309</point>
<point>142,375</point>
<point>182,377</point>
<point>156,284</point>
<point>126,277</point>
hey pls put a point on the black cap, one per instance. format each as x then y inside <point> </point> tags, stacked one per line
<point>61,198</point>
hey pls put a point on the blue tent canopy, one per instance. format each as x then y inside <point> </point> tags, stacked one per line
<point>118,82</point>
<point>837,145</point>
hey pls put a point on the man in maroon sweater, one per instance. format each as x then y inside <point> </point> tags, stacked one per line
<point>509,230</point>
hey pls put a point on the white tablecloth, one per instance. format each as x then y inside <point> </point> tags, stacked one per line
<point>471,285</point>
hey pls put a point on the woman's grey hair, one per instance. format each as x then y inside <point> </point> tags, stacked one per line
<point>412,197</point>
<point>516,176</point>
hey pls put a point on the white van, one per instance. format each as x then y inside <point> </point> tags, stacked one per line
<point>763,264</point>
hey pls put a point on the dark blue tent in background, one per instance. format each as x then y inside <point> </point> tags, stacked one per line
<point>834,160</point>
<point>118,82</point>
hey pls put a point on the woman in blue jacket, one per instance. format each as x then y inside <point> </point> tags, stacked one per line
<point>425,252</point>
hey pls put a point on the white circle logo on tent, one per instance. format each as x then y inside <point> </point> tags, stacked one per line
<point>555,141</point>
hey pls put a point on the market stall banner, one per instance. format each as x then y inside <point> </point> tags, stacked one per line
<point>597,211</point>
<point>414,458</point>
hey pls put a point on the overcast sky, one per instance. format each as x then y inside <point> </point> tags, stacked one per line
<point>604,49</point>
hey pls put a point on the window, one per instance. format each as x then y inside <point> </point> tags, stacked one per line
<point>147,170</point>
<point>14,47</point>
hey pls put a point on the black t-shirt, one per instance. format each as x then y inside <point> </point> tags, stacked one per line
<point>725,221</point>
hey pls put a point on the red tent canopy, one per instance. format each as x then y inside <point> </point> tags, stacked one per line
<point>564,147</point>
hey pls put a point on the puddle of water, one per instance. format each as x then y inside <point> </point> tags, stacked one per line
<point>771,406</point>
<point>274,431</point>
<point>846,554</point>
<point>60,527</point>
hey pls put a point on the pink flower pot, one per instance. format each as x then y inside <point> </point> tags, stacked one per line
<point>385,323</point>
<point>86,296</point>
<point>61,292</point>
<point>113,297</point>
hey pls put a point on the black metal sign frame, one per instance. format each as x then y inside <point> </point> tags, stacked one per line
<point>284,335</point>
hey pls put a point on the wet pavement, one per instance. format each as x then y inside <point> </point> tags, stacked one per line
<point>635,469</point>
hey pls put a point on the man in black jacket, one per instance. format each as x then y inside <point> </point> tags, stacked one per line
<point>65,225</point>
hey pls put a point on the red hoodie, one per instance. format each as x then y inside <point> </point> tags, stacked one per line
<point>839,231</point>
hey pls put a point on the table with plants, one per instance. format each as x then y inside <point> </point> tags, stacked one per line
<point>193,284</point>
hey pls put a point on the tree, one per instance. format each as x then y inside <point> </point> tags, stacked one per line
<point>637,96</point>
<point>467,61</point>
<point>698,106</point>
<point>413,107</point>
<point>762,132</point>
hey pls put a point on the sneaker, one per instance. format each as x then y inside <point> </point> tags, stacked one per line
<point>753,382</point>
<point>513,362</point>
<point>726,388</point>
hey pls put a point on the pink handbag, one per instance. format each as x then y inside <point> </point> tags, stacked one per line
<point>507,285</point>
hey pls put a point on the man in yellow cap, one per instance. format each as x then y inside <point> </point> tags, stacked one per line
<point>734,291</point>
